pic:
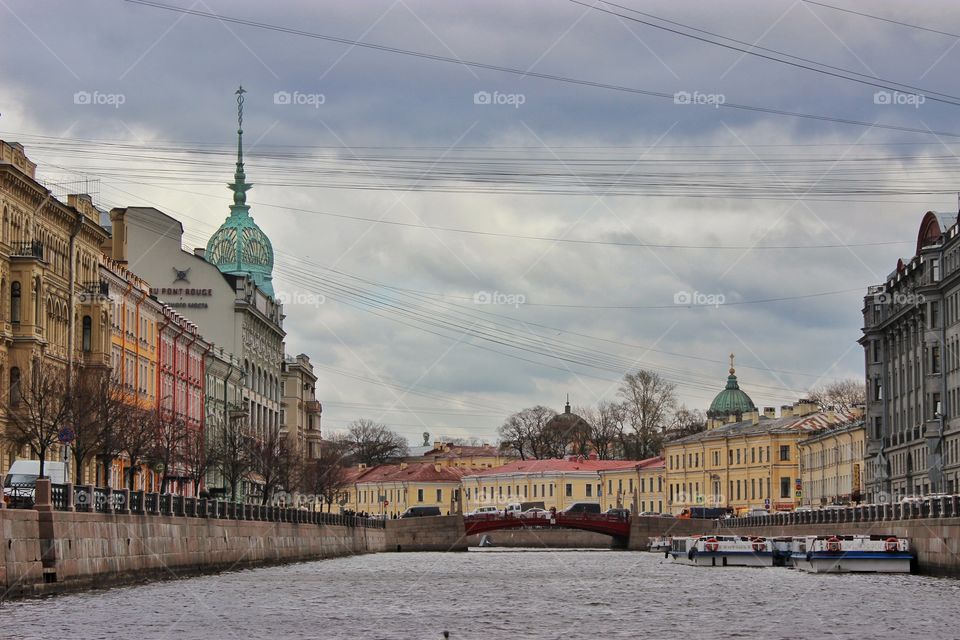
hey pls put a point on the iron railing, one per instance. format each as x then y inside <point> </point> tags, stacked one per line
<point>99,500</point>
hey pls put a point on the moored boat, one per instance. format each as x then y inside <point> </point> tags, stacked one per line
<point>722,551</point>
<point>660,543</point>
<point>852,554</point>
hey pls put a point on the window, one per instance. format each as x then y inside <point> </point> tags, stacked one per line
<point>753,455</point>
<point>630,485</point>
<point>609,488</point>
<point>419,495</point>
<point>534,491</point>
<point>876,350</point>
<point>551,489</point>
<point>877,389</point>
<point>15,303</point>
<point>589,490</point>
<point>15,386</point>
<point>440,496</point>
<point>785,487</point>
<point>935,359</point>
<point>569,490</point>
<point>738,456</point>
<point>87,331</point>
<point>784,453</point>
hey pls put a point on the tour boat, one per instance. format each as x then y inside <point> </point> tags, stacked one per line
<point>852,554</point>
<point>660,543</point>
<point>722,551</point>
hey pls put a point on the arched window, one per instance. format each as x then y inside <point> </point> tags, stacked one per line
<point>15,386</point>
<point>15,302</point>
<point>87,332</point>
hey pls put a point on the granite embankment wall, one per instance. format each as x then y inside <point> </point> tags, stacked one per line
<point>47,551</point>
<point>545,539</point>
<point>936,541</point>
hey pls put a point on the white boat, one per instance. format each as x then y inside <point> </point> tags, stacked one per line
<point>660,543</point>
<point>722,551</point>
<point>852,554</point>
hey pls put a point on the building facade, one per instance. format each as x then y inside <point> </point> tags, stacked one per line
<point>49,250</point>
<point>463,456</point>
<point>745,460</point>
<point>556,483</point>
<point>300,417</point>
<point>911,344</point>
<point>390,489</point>
<point>638,487</point>
<point>831,465</point>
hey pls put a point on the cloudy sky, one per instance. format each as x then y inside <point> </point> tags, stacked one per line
<point>585,194</point>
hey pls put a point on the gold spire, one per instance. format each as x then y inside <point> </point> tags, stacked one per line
<point>732,370</point>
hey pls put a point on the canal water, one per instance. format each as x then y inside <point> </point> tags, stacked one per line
<point>500,593</point>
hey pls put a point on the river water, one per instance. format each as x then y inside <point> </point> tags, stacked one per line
<point>500,593</point>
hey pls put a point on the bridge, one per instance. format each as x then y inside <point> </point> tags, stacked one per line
<point>611,525</point>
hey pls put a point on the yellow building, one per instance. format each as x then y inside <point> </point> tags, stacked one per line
<point>744,459</point>
<point>831,465</point>
<point>638,487</point>
<point>391,489</point>
<point>49,250</point>
<point>450,454</point>
<point>556,483</point>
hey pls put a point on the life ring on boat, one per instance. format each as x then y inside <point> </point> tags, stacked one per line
<point>712,545</point>
<point>759,544</point>
<point>890,544</point>
<point>833,544</point>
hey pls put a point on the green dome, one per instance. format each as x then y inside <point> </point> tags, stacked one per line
<point>239,246</point>
<point>732,400</point>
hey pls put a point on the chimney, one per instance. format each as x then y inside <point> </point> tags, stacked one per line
<point>753,416</point>
<point>83,203</point>
<point>362,466</point>
<point>118,224</point>
<point>786,411</point>
<point>805,407</point>
<point>769,412</point>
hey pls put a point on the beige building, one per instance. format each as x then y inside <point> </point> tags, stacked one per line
<point>450,454</point>
<point>744,459</point>
<point>49,252</point>
<point>300,415</point>
<point>831,465</point>
<point>390,489</point>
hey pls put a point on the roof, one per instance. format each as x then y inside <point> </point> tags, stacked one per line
<point>554,465</point>
<point>449,450</point>
<point>792,424</point>
<point>417,472</point>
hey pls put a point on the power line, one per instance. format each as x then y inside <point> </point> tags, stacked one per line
<point>751,50</point>
<point>882,19</point>
<point>535,74</point>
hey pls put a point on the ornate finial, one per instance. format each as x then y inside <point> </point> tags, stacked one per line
<point>240,186</point>
<point>566,409</point>
<point>732,370</point>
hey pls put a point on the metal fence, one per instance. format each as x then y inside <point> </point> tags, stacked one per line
<point>122,501</point>
<point>943,507</point>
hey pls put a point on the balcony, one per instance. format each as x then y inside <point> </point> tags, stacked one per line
<point>27,250</point>
<point>313,406</point>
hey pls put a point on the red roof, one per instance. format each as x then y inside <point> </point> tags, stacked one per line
<point>417,472</point>
<point>556,465</point>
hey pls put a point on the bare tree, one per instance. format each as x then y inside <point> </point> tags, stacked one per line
<point>81,417</point>
<point>120,422</point>
<point>198,457</point>
<point>372,443</point>
<point>275,459</point>
<point>37,409</point>
<point>230,445</point>
<point>136,438</point>
<point>686,422</point>
<point>325,476</point>
<point>841,395</point>
<point>604,423</point>
<point>523,432</point>
<point>648,401</point>
<point>170,436</point>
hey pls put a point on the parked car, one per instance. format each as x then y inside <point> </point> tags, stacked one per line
<point>651,513</point>
<point>757,512</point>
<point>420,512</point>
<point>803,509</point>
<point>19,485</point>
<point>484,511</point>
<point>582,507</point>
<point>706,513</point>
<point>535,512</point>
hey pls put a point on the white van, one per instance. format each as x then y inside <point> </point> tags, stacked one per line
<point>513,509</point>
<point>21,480</point>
